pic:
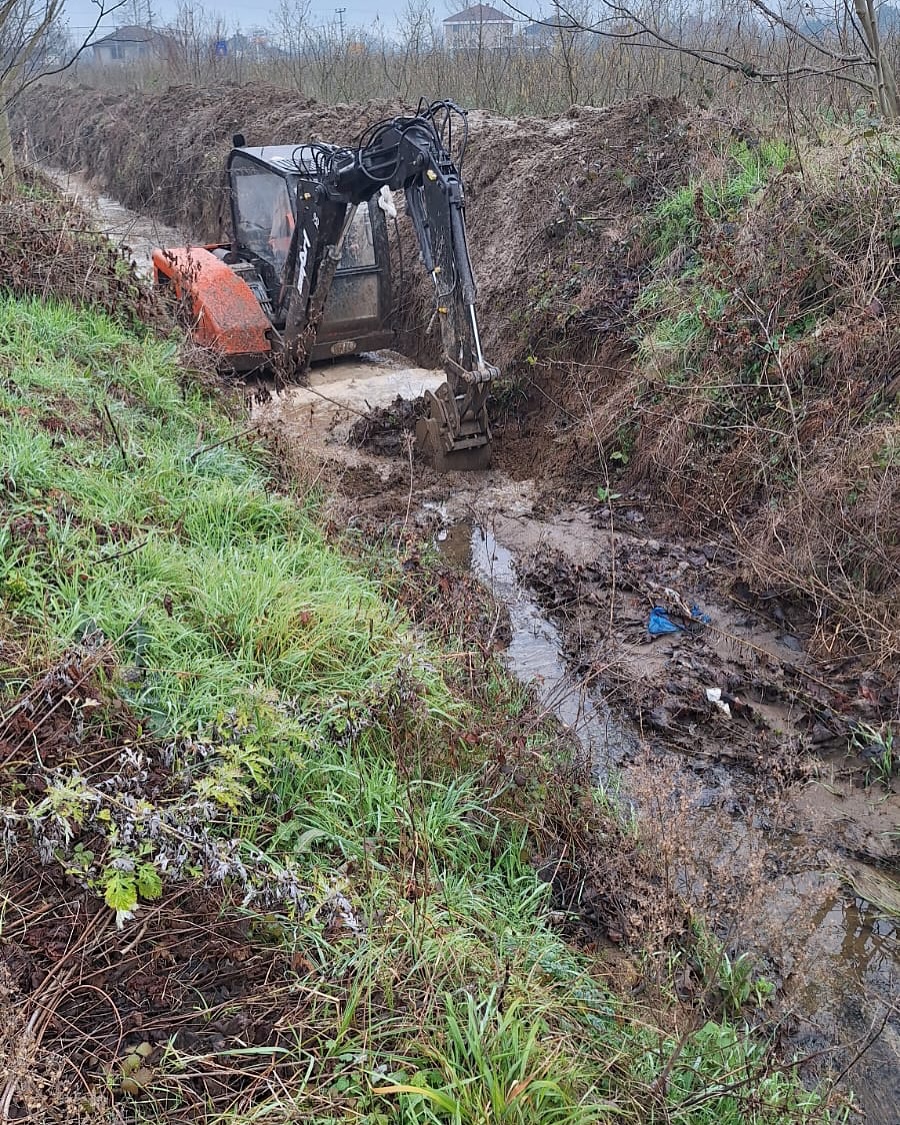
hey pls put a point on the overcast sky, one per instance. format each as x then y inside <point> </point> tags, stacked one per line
<point>359,13</point>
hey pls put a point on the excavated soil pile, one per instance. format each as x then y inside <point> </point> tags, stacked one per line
<point>384,428</point>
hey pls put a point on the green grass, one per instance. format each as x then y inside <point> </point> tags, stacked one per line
<point>678,219</point>
<point>320,762</point>
<point>673,328</point>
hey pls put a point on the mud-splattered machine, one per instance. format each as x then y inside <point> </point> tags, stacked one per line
<point>307,274</point>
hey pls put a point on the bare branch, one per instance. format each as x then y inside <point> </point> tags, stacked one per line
<point>870,70</point>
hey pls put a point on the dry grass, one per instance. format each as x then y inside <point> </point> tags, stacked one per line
<point>50,249</point>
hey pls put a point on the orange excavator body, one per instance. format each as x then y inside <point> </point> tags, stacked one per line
<point>228,317</point>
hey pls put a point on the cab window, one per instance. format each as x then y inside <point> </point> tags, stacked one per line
<point>359,245</point>
<point>263,212</point>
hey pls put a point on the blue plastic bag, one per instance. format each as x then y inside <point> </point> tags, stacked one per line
<point>659,623</point>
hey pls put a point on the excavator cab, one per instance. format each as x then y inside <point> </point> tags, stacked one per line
<point>239,293</point>
<point>272,192</point>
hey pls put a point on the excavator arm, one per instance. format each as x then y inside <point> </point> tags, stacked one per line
<point>409,154</point>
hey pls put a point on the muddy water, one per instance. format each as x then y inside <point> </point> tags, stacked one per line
<point>837,956</point>
<point>335,395</point>
<point>137,234</point>
<point>535,651</point>
<point>834,955</point>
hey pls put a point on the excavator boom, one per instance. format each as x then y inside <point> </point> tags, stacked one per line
<point>409,154</point>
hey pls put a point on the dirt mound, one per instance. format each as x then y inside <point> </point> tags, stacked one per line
<point>50,248</point>
<point>164,154</point>
<point>384,429</point>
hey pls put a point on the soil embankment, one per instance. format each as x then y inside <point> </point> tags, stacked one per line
<point>530,185</point>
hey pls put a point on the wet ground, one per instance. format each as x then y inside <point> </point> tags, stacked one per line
<point>336,396</point>
<point>729,741</point>
<point>818,919</point>
<point>723,735</point>
<point>137,233</point>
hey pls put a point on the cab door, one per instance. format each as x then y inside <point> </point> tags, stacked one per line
<point>359,304</point>
<point>263,217</point>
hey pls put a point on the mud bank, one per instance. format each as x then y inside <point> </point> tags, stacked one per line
<point>790,851</point>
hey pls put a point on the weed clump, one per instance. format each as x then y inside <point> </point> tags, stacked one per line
<point>49,249</point>
<point>766,403</point>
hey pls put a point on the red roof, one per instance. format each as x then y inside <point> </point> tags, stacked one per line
<point>480,13</point>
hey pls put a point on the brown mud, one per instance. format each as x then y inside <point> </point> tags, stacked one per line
<point>768,819</point>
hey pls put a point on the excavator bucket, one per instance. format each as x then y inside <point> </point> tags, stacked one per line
<point>454,439</point>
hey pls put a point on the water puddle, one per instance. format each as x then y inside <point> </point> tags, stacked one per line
<point>534,653</point>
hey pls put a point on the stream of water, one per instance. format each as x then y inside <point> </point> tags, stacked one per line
<point>535,651</point>
<point>138,234</point>
<point>853,992</point>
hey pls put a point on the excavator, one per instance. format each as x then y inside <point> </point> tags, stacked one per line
<point>306,276</point>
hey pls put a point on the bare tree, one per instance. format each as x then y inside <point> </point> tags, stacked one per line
<point>195,33</point>
<point>28,31</point>
<point>848,46</point>
<point>292,24</point>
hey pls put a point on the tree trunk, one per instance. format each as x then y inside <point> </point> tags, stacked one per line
<point>884,86</point>
<point>7,160</point>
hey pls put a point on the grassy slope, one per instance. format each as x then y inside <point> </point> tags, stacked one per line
<point>766,390</point>
<point>324,751</point>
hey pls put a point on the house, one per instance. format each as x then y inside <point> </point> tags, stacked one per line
<point>478,26</point>
<point>539,35</point>
<point>130,45</point>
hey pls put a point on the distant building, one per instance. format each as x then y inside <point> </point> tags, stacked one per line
<point>255,45</point>
<point>539,34</point>
<point>130,45</point>
<point>478,26</point>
